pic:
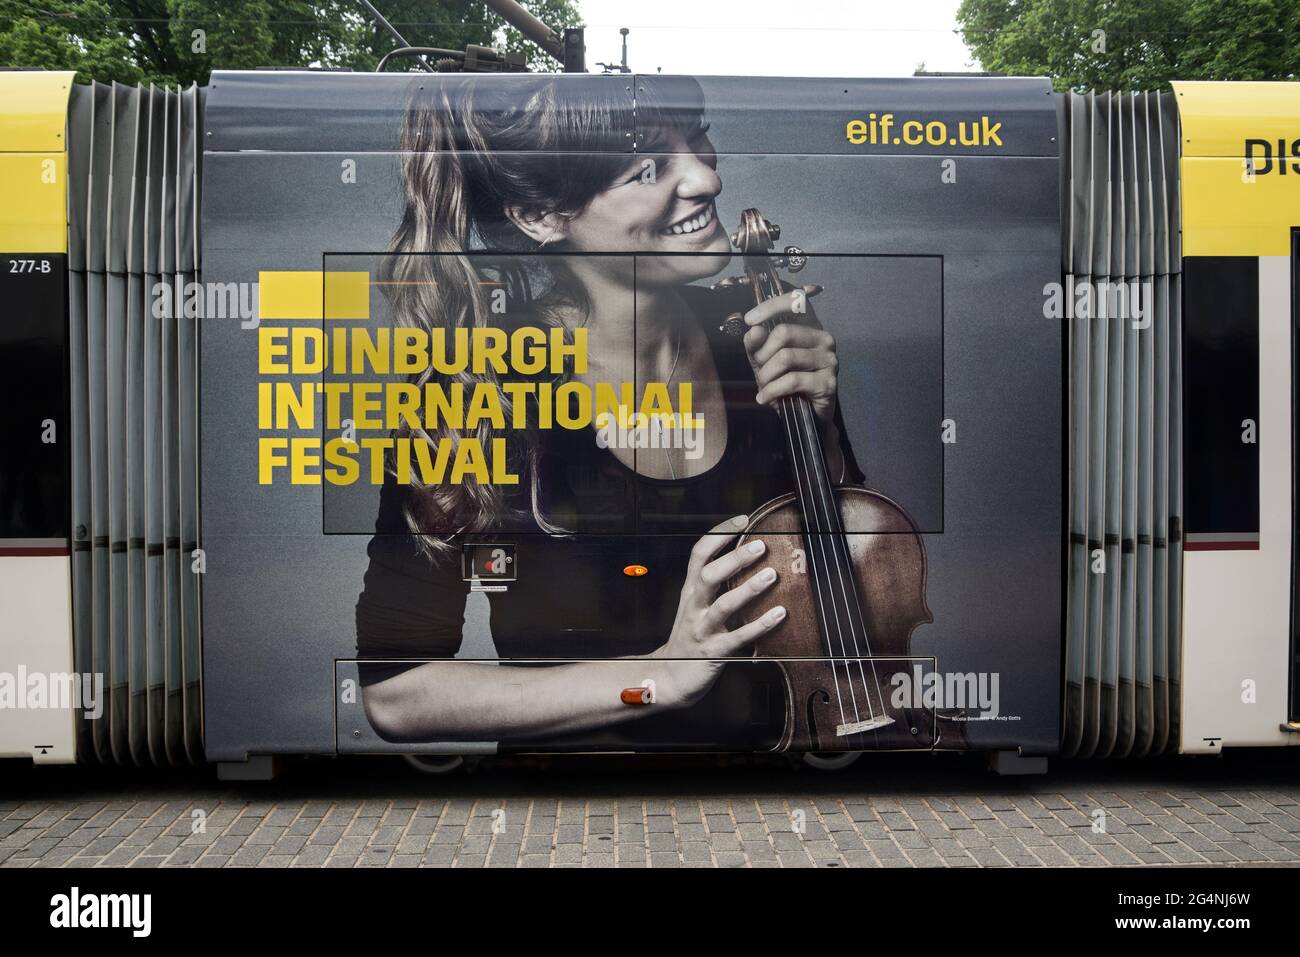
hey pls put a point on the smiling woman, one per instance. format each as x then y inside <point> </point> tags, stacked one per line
<point>544,169</point>
<point>542,166</point>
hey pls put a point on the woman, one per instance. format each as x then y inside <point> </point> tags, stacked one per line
<point>540,164</point>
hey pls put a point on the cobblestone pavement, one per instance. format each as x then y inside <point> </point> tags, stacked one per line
<point>891,811</point>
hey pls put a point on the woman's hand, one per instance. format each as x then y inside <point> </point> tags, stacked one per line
<point>700,630</point>
<point>797,357</point>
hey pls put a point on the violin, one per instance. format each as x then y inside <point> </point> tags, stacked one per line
<point>852,599</point>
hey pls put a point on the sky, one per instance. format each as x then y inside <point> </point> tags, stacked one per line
<point>862,38</point>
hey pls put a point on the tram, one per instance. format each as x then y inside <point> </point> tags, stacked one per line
<point>443,414</point>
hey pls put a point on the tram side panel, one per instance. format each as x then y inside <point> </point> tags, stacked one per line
<point>1239,208</point>
<point>39,688</point>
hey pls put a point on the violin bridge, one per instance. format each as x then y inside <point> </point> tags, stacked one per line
<point>857,727</point>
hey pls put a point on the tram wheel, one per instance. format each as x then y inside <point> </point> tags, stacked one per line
<point>434,763</point>
<point>830,760</point>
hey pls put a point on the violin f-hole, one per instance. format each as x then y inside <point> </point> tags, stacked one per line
<point>822,697</point>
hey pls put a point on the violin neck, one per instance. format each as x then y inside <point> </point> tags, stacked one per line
<point>841,622</point>
<point>811,473</point>
<point>808,464</point>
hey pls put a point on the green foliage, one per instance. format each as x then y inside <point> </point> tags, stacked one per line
<point>156,41</point>
<point>453,23</point>
<point>1143,44</point>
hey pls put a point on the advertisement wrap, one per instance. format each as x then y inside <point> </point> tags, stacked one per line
<point>629,413</point>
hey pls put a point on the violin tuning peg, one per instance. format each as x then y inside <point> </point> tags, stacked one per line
<point>794,258</point>
<point>728,282</point>
<point>773,230</point>
<point>734,325</point>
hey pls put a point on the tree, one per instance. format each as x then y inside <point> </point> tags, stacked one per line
<point>182,41</point>
<point>1134,44</point>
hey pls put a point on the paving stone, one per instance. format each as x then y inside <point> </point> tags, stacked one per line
<point>692,832</point>
<point>248,856</point>
<point>57,857</point>
<point>281,817</point>
<point>313,855</point>
<point>897,821</point>
<point>696,851</point>
<point>326,835</point>
<point>1051,855</point>
<point>631,854</point>
<point>567,854</point>
<point>687,812</point>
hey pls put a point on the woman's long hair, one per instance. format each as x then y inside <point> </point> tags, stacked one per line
<point>473,147</point>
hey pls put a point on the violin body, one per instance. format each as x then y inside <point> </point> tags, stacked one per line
<point>889,570</point>
<point>853,598</point>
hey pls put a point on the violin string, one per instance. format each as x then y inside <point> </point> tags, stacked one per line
<point>838,545</point>
<point>806,436</point>
<point>808,509</point>
<point>838,602</point>
<point>802,456</point>
<point>844,567</point>
<point>798,454</point>
<point>825,606</point>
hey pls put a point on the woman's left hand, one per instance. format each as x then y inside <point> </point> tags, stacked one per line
<point>797,357</point>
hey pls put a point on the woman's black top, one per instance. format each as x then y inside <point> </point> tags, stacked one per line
<point>572,598</point>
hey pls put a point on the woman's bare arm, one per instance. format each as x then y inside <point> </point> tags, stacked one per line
<point>481,701</point>
<point>446,700</point>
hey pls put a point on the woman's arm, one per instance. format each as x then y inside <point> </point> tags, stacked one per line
<point>442,700</point>
<point>467,700</point>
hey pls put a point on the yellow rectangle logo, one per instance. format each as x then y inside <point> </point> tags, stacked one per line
<point>313,294</point>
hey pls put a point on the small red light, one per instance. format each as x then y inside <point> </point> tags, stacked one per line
<point>635,571</point>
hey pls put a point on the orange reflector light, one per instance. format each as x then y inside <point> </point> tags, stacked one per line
<point>636,696</point>
<point>635,571</point>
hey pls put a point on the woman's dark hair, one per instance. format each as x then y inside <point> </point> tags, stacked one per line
<point>473,147</point>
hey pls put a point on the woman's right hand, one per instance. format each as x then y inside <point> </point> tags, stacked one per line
<point>700,638</point>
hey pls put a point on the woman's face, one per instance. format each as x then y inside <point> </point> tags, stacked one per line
<point>660,203</point>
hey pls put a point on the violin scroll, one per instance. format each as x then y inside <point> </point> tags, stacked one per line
<point>755,235</point>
